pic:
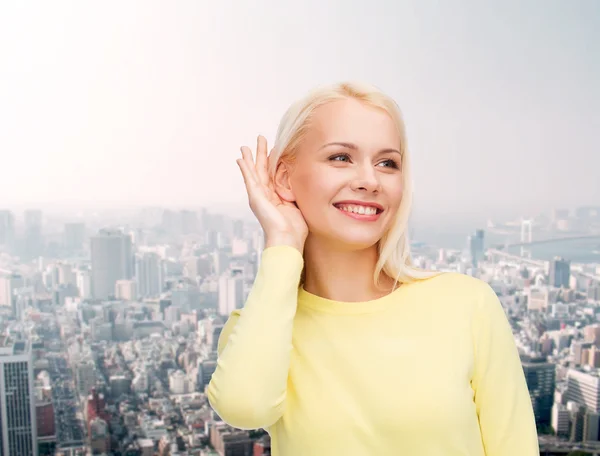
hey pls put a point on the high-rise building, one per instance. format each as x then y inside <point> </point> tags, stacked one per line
<point>231,293</point>
<point>95,413</point>
<point>583,388</point>
<point>17,400</point>
<point>7,230</point>
<point>560,419</point>
<point>149,274</point>
<point>560,272</point>
<point>541,382</point>
<point>10,282</point>
<point>227,440</point>
<point>112,260</point>
<point>213,332</point>
<point>84,283</point>
<point>475,244</point>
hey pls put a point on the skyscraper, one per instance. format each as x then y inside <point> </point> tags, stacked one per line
<point>541,382</point>
<point>475,244</point>
<point>560,272</point>
<point>231,292</point>
<point>112,260</point>
<point>9,283</point>
<point>17,401</point>
<point>149,274</point>
<point>7,230</point>
<point>584,389</point>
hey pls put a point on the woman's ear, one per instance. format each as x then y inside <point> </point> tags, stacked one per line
<point>282,182</point>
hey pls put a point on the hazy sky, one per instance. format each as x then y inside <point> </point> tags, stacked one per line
<point>148,102</point>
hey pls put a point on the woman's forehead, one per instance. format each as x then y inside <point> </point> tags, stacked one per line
<point>351,120</point>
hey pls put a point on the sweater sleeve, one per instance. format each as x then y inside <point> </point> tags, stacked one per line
<point>502,398</point>
<point>248,387</point>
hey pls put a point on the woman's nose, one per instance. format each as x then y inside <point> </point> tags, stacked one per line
<point>366,179</point>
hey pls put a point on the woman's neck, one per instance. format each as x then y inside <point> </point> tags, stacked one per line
<point>342,274</point>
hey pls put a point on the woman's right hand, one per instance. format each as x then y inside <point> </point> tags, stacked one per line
<point>282,221</point>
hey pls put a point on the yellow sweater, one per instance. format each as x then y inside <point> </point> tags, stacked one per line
<point>428,370</point>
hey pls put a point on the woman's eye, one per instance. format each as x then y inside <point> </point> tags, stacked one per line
<point>341,157</point>
<point>389,164</point>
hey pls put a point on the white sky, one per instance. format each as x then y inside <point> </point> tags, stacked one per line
<point>147,102</point>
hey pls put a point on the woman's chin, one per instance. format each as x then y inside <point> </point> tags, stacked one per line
<point>358,242</point>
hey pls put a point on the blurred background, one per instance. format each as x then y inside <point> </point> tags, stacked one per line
<point>125,236</point>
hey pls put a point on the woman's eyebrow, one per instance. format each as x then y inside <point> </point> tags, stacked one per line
<point>355,147</point>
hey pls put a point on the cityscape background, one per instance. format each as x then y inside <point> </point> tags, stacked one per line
<point>125,236</point>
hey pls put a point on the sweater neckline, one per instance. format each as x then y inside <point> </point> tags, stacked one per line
<point>320,304</point>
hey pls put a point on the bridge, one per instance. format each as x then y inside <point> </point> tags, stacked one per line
<point>547,241</point>
<point>494,254</point>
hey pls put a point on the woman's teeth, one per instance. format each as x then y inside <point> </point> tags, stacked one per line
<point>363,210</point>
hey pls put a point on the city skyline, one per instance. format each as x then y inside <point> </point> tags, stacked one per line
<point>128,248</point>
<point>500,102</point>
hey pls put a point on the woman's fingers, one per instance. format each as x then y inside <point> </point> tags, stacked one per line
<point>249,161</point>
<point>262,160</point>
<point>248,178</point>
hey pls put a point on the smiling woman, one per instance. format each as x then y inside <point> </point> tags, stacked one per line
<point>332,351</point>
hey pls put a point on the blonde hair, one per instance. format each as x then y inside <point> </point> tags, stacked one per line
<point>394,247</point>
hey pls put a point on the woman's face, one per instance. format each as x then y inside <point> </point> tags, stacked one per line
<point>346,179</point>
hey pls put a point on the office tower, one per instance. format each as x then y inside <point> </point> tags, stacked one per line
<point>85,376</point>
<point>7,230</point>
<point>149,274</point>
<point>231,293</point>
<point>560,272</point>
<point>84,283</point>
<point>561,419</point>
<point>10,282</point>
<point>208,368</point>
<point>591,333</point>
<point>96,414</point>
<point>227,440</point>
<point>213,332</point>
<point>475,244</point>
<point>579,350</point>
<point>591,426</point>
<point>584,389</point>
<point>541,382</point>
<point>46,423</point>
<point>17,400</point>
<point>74,237</point>
<point>578,424</point>
<point>112,260</point>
